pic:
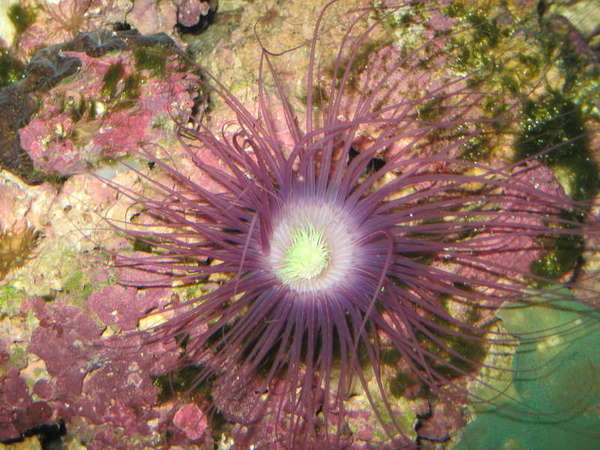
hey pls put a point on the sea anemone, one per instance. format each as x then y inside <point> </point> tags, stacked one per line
<point>348,237</point>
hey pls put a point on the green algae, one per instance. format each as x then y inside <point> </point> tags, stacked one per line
<point>19,356</point>
<point>553,131</point>
<point>140,245</point>
<point>361,409</point>
<point>47,279</point>
<point>122,91</point>
<point>400,383</point>
<point>561,257</point>
<point>10,299</point>
<point>131,87</point>
<point>498,57</point>
<point>320,96</point>
<point>21,17</point>
<point>78,285</point>
<point>182,381</point>
<point>553,399</point>
<point>431,110</point>
<point>111,78</point>
<point>11,69</point>
<point>455,351</point>
<point>475,51</point>
<point>356,64</point>
<point>152,59</point>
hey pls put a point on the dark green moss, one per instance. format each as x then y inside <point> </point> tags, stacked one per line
<point>78,285</point>
<point>431,109</point>
<point>509,83</point>
<point>563,255</point>
<point>83,109</point>
<point>406,19</point>
<point>131,88</point>
<point>400,383</point>
<point>319,96</point>
<point>130,93</point>
<point>11,69</point>
<point>456,10</point>
<point>486,32</point>
<point>92,111</point>
<point>582,177</point>
<point>111,79</point>
<point>390,356</point>
<point>533,63</point>
<point>184,380</point>
<point>474,51</point>
<point>467,354</point>
<point>55,179</point>
<point>495,107</point>
<point>472,56</point>
<point>477,149</point>
<point>579,68</point>
<point>571,64</point>
<point>142,246</point>
<point>21,17</point>
<point>360,63</point>
<point>454,354</point>
<point>554,125</point>
<point>473,314</point>
<point>153,59</point>
<point>217,425</point>
<point>77,111</point>
<point>401,20</point>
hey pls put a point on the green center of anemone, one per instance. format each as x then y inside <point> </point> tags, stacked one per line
<point>307,257</point>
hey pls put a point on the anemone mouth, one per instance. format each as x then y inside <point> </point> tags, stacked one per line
<point>314,246</point>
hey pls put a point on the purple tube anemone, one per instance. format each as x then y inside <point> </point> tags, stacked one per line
<point>342,236</point>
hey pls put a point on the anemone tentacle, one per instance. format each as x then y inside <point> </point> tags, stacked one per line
<point>329,261</point>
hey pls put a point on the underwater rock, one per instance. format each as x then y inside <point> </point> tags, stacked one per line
<point>103,387</point>
<point>195,16</point>
<point>190,419</point>
<point>149,16</point>
<point>114,105</point>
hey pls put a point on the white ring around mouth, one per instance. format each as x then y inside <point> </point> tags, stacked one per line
<point>336,234</point>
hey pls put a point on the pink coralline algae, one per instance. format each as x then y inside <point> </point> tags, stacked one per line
<point>117,92</point>
<point>114,105</point>
<point>194,16</point>
<point>190,11</point>
<point>18,411</point>
<point>149,16</point>
<point>105,386</point>
<point>122,307</point>
<point>191,420</point>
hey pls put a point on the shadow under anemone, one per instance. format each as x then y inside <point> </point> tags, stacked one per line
<point>351,238</point>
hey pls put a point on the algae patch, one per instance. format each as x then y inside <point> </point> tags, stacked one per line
<point>554,397</point>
